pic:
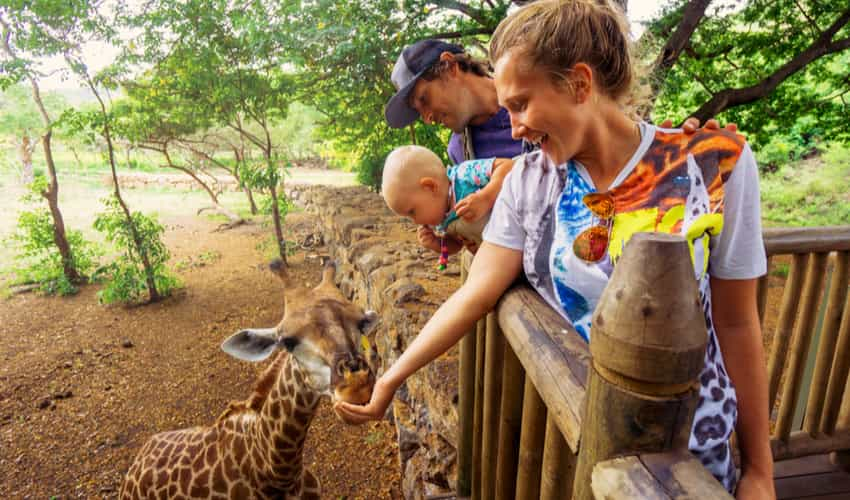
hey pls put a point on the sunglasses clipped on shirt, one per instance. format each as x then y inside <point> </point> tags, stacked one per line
<point>592,243</point>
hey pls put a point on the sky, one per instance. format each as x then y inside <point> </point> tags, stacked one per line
<point>99,55</point>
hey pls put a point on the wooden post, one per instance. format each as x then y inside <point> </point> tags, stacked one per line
<point>800,348</point>
<point>648,343</point>
<point>466,402</point>
<point>785,324</point>
<point>478,424</point>
<point>531,443</point>
<point>826,348</point>
<point>558,471</point>
<point>513,378</point>
<point>840,369</point>
<point>763,288</point>
<point>492,400</point>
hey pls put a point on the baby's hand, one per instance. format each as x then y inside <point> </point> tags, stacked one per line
<point>474,206</point>
<point>428,239</point>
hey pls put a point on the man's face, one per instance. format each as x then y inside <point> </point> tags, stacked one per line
<point>445,101</point>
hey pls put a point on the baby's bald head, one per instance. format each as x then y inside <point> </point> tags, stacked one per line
<point>404,168</point>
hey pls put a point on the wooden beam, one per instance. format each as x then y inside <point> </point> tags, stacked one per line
<point>828,339</point>
<point>493,360</point>
<point>531,443</point>
<point>801,342</point>
<point>466,402</point>
<point>785,324</point>
<point>555,357</point>
<point>559,465</point>
<point>673,475</point>
<point>806,239</point>
<point>510,420</point>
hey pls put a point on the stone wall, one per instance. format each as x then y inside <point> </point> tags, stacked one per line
<point>381,267</point>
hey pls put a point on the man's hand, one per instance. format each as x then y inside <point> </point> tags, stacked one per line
<point>691,125</point>
<point>428,239</point>
<point>474,206</point>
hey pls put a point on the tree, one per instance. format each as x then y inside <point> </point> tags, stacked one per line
<point>221,57</point>
<point>28,30</point>
<point>766,65</point>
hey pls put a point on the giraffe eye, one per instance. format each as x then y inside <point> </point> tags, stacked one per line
<point>289,343</point>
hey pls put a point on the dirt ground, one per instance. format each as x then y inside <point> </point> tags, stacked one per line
<point>82,385</point>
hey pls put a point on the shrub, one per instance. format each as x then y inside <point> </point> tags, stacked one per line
<point>125,278</point>
<point>36,248</point>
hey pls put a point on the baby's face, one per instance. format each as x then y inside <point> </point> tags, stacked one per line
<point>422,206</point>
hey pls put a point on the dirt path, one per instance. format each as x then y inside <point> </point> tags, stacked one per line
<point>83,385</point>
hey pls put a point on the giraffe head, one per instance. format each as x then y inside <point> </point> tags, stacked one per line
<point>322,331</point>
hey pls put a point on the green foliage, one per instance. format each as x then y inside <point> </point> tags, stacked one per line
<point>809,193</point>
<point>42,263</point>
<point>125,277</point>
<point>739,45</point>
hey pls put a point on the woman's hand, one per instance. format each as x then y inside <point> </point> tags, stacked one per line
<point>691,125</point>
<point>474,206</point>
<point>755,486</point>
<point>382,396</point>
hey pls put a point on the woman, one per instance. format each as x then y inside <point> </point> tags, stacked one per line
<point>562,69</point>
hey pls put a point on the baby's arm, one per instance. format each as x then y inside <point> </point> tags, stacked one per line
<point>476,205</point>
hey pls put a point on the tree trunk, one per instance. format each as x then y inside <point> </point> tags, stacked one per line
<point>52,197</point>
<point>278,229</point>
<point>76,157</point>
<point>134,232</point>
<point>25,151</point>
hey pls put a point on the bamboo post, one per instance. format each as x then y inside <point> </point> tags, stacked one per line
<point>840,370</point>
<point>648,343</point>
<point>531,443</point>
<point>478,424</point>
<point>828,340</point>
<point>558,470</point>
<point>494,352</point>
<point>785,324</point>
<point>466,402</point>
<point>800,348</point>
<point>513,378</point>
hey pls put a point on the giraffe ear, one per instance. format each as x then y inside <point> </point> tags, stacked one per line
<point>251,345</point>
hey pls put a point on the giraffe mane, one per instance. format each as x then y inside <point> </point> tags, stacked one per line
<point>263,387</point>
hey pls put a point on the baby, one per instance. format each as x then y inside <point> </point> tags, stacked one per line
<point>452,205</point>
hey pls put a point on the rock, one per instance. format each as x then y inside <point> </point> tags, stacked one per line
<point>127,343</point>
<point>46,403</point>
<point>403,292</point>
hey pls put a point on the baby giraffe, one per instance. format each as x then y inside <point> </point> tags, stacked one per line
<point>254,449</point>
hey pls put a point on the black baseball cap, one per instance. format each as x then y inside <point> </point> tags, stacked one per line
<point>413,61</point>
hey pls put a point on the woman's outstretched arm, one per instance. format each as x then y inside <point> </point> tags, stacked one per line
<point>493,270</point>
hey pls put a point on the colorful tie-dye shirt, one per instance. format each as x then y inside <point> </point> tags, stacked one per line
<point>465,178</point>
<point>703,186</point>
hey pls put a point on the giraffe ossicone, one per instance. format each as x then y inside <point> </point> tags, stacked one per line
<point>254,449</point>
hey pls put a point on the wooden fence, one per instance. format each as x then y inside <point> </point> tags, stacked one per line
<point>540,416</point>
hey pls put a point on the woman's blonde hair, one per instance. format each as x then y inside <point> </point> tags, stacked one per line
<point>554,35</point>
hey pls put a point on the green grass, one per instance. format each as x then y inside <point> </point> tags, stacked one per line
<point>813,192</point>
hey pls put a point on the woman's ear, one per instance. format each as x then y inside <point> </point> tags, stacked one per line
<point>581,82</point>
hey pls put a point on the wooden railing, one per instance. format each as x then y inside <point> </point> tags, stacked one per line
<point>526,433</point>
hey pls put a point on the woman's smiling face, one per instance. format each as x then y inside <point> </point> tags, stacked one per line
<point>542,112</point>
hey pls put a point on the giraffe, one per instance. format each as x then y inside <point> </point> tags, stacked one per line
<point>254,449</point>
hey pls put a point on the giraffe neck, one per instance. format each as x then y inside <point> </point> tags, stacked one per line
<point>282,425</point>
